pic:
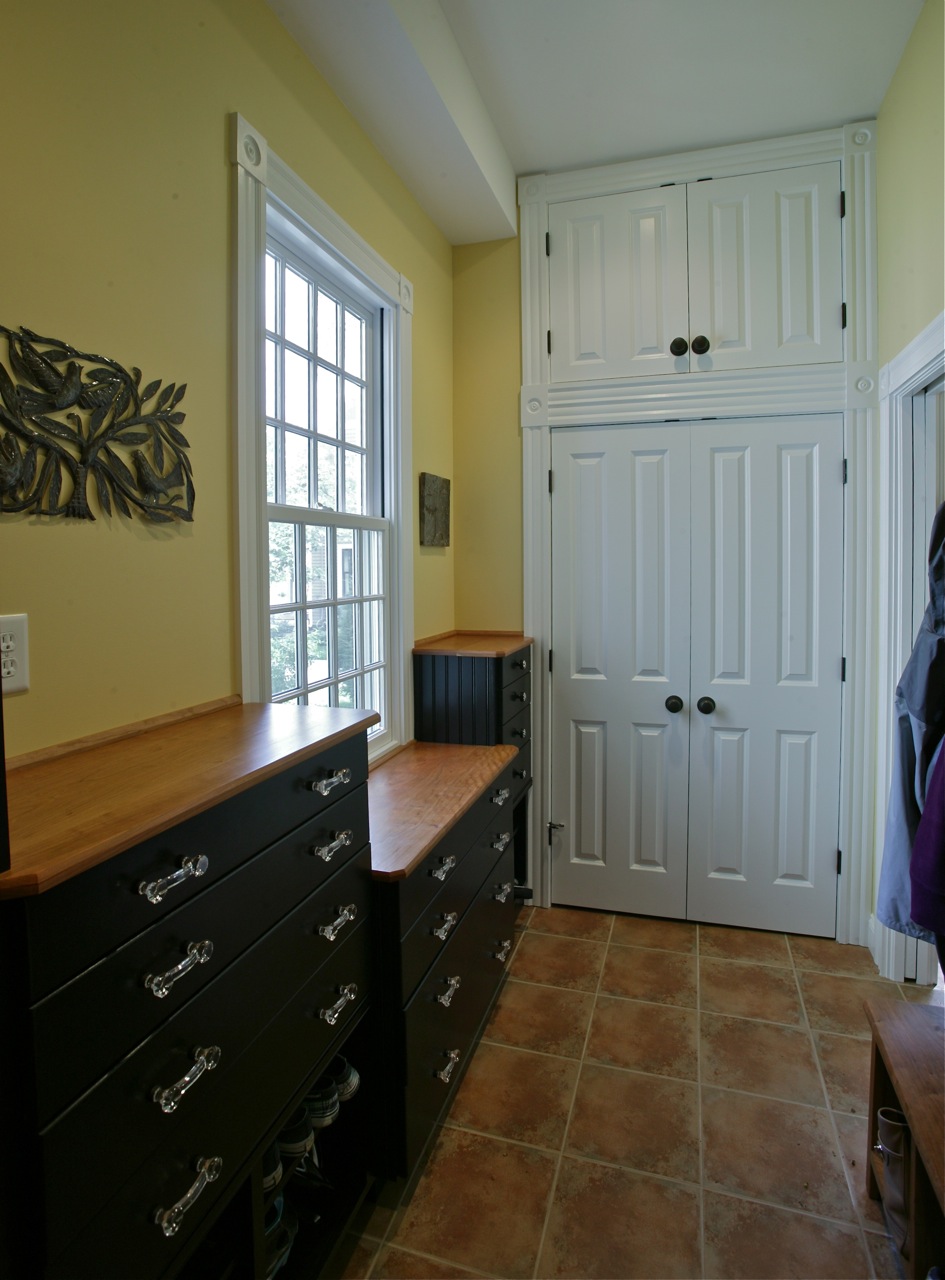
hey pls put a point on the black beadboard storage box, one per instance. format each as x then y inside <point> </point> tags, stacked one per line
<point>458,697</point>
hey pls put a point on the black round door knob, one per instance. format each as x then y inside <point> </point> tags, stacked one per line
<point>700,345</point>
<point>679,346</point>
<point>706,706</point>
<point>674,703</point>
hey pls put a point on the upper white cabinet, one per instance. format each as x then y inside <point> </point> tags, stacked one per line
<point>734,273</point>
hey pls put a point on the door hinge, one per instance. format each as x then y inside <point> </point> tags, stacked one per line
<point>839,860</point>
<point>845,471</point>
<point>551,661</point>
<point>843,670</point>
<point>552,828</point>
<point>549,340</point>
<point>843,204</point>
<point>547,244</point>
<point>843,320</point>
<point>551,481</point>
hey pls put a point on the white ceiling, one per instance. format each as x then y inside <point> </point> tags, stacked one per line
<point>461,96</point>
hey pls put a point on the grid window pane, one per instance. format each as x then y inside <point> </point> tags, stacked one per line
<point>354,344</point>
<point>298,303</point>
<point>372,578</point>
<point>270,292</point>
<point>320,697</point>
<point>326,407</point>
<point>316,563</point>
<point>327,328</point>
<point>283,652</point>
<point>296,469</point>
<point>347,638</point>
<point>347,569</point>
<point>327,477</point>
<point>354,413</point>
<point>347,693</point>
<point>354,482</point>
<point>271,464</point>
<point>271,386</point>
<point>297,395</point>
<point>318,646</point>
<point>373,642</point>
<point>282,577</point>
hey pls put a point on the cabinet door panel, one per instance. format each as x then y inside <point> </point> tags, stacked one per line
<point>765,282</point>
<point>618,285</point>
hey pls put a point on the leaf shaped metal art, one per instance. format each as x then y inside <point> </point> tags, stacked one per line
<point>71,422</point>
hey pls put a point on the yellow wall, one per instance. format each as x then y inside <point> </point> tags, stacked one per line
<point>116,237</point>
<point>487,491</point>
<point>910,169</point>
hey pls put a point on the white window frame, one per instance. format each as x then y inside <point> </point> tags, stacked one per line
<point>262,179</point>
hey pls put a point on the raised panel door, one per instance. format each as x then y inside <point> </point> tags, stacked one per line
<point>765,283</point>
<point>618,284</point>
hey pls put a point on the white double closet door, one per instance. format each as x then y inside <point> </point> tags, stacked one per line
<point>698,561</point>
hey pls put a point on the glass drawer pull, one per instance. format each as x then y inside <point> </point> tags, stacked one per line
<point>169,1098</point>
<point>155,890</point>
<point>521,696</point>
<point>503,954</point>
<point>520,733</point>
<point>160,984</point>
<point>169,1220</point>
<point>340,778</point>
<point>327,851</point>
<point>348,992</point>
<point>500,797</point>
<point>522,664</point>
<point>441,872</point>
<point>446,999</point>
<point>448,921</point>
<point>450,1067</point>
<point>502,842</point>
<point>331,931</point>
<point>504,891</point>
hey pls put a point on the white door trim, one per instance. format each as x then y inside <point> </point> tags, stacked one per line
<point>922,362</point>
<point>850,387</point>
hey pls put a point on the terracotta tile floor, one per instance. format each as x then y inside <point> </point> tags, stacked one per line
<point>653,1098</point>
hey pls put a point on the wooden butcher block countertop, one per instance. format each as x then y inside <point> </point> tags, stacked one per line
<point>422,791</point>
<point>72,812</point>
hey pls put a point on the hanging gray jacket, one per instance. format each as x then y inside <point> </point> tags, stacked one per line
<point>917,737</point>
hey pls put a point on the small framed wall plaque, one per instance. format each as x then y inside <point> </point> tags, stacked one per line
<point>434,510</point>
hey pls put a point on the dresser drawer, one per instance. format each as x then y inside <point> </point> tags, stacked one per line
<point>116,1155</point>
<point>75,924</point>
<point>516,697</point>
<point>521,771</point>
<point>112,996</point>
<point>514,665</point>
<point>440,919</point>
<point>517,732</point>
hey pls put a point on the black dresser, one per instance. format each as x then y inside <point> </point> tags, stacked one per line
<point>185,943</point>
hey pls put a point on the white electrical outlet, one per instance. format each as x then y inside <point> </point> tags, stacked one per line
<point>14,653</point>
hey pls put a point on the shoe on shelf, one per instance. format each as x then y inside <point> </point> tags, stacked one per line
<point>345,1077</point>
<point>281,1228</point>
<point>271,1167</point>
<point>322,1102</point>
<point>296,1137</point>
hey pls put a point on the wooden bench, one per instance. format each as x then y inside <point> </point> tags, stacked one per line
<point>908,1072</point>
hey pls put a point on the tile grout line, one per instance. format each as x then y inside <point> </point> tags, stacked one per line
<point>567,1125</point>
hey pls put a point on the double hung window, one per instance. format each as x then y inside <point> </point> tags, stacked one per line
<point>328,541</point>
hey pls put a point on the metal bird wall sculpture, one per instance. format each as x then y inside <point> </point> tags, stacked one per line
<point>65,426</point>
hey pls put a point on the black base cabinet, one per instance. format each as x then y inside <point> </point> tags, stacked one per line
<point>162,1045</point>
